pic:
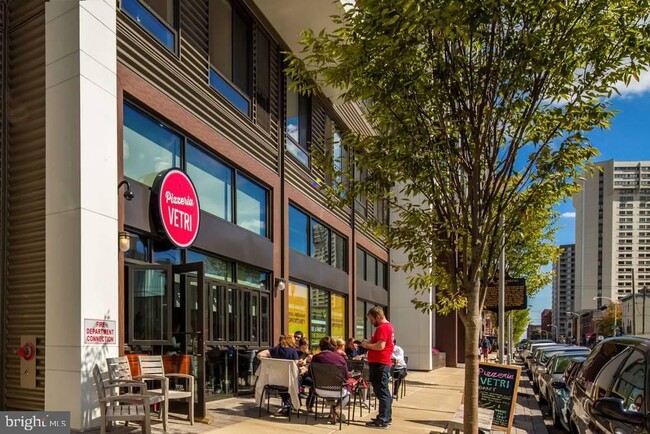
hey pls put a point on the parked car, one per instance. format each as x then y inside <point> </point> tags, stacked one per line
<point>554,369</point>
<point>559,395</point>
<point>545,355</point>
<point>534,357</point>
<point>609,393</point>
<point>528,352</point>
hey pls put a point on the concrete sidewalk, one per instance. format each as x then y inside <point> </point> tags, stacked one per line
<point>431,400</point>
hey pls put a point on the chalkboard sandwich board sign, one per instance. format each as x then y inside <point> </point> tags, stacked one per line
<point>497,390</point>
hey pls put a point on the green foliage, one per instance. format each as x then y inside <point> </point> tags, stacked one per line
<point>479,109</point>
<point>520,320</point>
<point>605,325</point>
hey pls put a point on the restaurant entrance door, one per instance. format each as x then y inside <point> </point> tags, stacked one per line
<point>189,325</point>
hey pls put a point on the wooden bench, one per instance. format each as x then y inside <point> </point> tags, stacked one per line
<point>485,418</point>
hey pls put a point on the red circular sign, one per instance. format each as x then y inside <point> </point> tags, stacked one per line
<point>178,207</point>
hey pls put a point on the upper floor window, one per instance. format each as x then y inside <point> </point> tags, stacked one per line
<point>231,53</point>
<point>158,17</point>
<point>338,150</point>
<point>233,35</point>
<point>371,269</point>
<point>298,125</point>
<point>310,237</point>
<point>150,147</point>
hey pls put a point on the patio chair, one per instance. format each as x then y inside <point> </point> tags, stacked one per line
<point>277,375</point>
<point>125,407</point>
<point>331,379</point>
<point>119,371</point>
<point>152,368</point>
<point>360,367</point>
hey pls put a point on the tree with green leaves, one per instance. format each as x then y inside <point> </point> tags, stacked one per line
<point>479,110</point>
<point>610,321</point>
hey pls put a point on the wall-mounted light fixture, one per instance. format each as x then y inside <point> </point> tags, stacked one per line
<point>124,241</point>
<point>128,194</point>
<point>279,284</point>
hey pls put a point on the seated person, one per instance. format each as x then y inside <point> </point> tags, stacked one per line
<point>304,358</point>
<point>400,367</point>
<point>340,347</point>
<point>353,350</point>
<point>328,355</point>
<point>637,404</point>
<point>284,350</point>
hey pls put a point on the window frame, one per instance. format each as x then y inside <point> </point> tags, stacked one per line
<point>132,268</point>
<point>187,140</point>
<point>364,275</point>
<point>173,28</point>
<point>305,108</point>
<point>330,233</point>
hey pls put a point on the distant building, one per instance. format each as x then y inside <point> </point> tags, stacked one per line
<point>612,233</point>
<point>533,331</point>
<point>564,290</point>
<point>547,321</point>
<point>627,322</point>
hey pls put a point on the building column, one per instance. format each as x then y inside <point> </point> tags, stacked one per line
<point>81,199</point>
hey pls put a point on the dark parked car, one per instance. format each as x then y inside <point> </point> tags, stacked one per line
<point>609,393</point>
<point>559,393</point>
<point>554,369</point>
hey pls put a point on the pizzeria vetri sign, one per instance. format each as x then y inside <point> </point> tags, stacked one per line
<point>175,207</point>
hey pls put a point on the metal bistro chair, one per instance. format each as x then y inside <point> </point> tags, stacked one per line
<point>360,367</point>
<point>113,407</point>
<point>329,378</point>
<point>119,371</point>
<point>277,375</point>
<point>152,368</point>
<point>398,394</point>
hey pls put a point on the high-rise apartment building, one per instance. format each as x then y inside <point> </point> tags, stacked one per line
<point>564,289</point>
<point>612,233</point>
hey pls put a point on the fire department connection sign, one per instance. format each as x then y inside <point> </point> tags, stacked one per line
<point>175,206</point>
<point>100,331</point>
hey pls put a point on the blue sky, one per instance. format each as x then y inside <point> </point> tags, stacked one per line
<point>627,139</point>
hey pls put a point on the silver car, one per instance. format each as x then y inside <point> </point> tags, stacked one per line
<point>559,394</point>
<point>527,354</point>
<point>555,369</point>
<point>544,357</point>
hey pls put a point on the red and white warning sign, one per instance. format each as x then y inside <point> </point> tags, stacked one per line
<point>100,331</point>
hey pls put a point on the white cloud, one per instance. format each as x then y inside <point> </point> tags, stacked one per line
<point>568,215</point>
<point>636,88</point>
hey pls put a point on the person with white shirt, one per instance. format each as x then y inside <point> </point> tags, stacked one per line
<point>400,367</point>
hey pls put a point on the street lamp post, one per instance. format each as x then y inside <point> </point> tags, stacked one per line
<point>615,303</point>
<point>578,336</point>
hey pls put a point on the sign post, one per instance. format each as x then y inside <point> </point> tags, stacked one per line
<point>497,390</point>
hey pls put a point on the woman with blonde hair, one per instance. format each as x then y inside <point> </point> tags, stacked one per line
<point>340,347</point>
<point>284,350</point>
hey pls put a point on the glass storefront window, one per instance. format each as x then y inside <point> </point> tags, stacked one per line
<point>213,182</point>
<point>251,206</point>
<point>265,317</point>
<point>162,254</point>
<point>231,313</point>
<point>215,268</point>
<point>251,276</point>
<point>298,308</point>
<point>298,224</point>
<point>150,305</point>
<point>319,323</point>
<point>139,249</point>
<point>319,241</point>
<point>338,316</point>
<point>360,330</point>
<point>148,147</point>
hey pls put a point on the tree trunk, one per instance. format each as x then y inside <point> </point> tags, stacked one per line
<point>472,329</point>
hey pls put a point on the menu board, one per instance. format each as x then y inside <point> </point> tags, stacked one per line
<point>497,390</point>
<point>515,295</point>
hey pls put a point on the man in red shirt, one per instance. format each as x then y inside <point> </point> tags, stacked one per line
<point>380,350</point>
